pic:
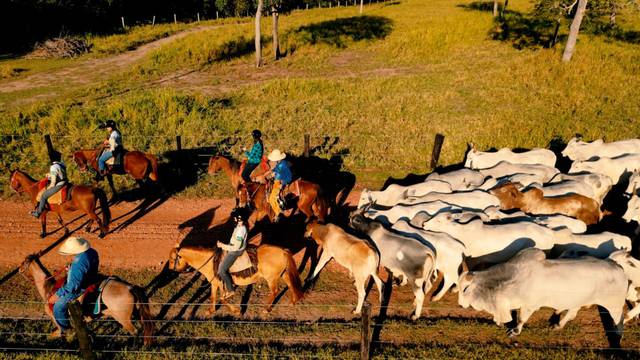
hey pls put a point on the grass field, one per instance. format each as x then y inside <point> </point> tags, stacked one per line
<point>420,68</point>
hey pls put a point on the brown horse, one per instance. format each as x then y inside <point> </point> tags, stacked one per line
<point>83,198</point>
<point>137,164</point>
<point>120,298</point>
<point>310,200</point>
<point>273,263</point>
<point>231,167</point>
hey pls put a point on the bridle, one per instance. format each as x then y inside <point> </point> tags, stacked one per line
<point>178,257</point>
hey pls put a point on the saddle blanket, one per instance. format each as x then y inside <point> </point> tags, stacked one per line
<point>55,199</point>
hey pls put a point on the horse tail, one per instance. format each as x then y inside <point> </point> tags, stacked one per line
<point>104,206</point>
<point>153,175</point>
<point>293,278</point>
<point>142,302</point>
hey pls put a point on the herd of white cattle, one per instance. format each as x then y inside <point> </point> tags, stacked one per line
<point>522,260</point>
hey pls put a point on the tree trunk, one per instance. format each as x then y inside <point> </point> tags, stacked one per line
<point>504,7</point>
<point>275,38</point>
<point>554,40</point>
<point>614,11</point>
<point>361,6</point>
<point>495,8</point>
<point>573,31</point>
<point>258,43</point>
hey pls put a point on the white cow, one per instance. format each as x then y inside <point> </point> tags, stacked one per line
<point>596,245</point>
<point>578,150</point>
<point>475,199</point>
<point>394,193</point>
<point>600,184</point>
<point>529,282</point>
<point>520,180</point>
<point>633,209</point>
<point>463,179</point>
<point>449,252</point>
<point>634,183</point>
<point>543,173</point>
<point>403,211</point>
<point>618,168</point>
<point>484,160</point>
<point>496,243</point>
<point>631,267</point>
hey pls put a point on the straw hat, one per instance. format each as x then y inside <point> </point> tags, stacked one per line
<point>276,155</point>
<point>74,245</point>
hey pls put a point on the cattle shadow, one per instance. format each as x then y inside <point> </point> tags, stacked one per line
<point>338,32</point>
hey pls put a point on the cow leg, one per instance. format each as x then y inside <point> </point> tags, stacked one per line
<point>360,281</point>
<point>632,313</point>
<point>379,284</point>
<point>418,293</point>
<point>570,315</point>
<point>324,259</point>
<point>446,284</point>
<point>525,314</point>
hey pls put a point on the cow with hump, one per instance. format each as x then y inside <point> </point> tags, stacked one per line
<point>529,281</point>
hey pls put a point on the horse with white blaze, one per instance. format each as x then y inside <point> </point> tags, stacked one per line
<point>529,282</point>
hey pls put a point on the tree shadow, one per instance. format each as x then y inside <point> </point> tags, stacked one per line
<point>337,32</point>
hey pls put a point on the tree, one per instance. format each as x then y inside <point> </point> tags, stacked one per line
<point>258,34</point>
<point>495,8</point>
<point>574,30</point>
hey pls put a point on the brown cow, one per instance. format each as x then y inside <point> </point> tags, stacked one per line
<point>533,201</point>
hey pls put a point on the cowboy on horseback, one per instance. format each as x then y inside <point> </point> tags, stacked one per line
<point>113,142</point>
<point>57,177</point>
<point>254,156</point>
<point>83,272</point>
<point>234,249</point>
<point>281,175</point>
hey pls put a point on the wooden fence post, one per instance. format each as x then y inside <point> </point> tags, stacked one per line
<point>123,25</point>
<point>175,19</point>
<point>153,22</point>
<point>82,333</point>
<point>198,17</point>
<point>217,15</point>
<point>437,146</point>
<point>365,333</point>
<point>179,156</point>
<point>50,149</point>
<point>306,145</point>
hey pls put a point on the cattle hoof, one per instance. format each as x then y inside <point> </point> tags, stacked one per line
<point>355,312</point>
<point>556,327</point>
<point>513,332</point>
<point>415,317</point>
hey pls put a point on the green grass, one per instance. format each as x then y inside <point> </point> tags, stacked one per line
<point>426,68</point>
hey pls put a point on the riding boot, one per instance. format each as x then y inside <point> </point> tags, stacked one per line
<point>34,213</point>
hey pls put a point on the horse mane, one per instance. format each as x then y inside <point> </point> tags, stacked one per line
<point>24,174</point>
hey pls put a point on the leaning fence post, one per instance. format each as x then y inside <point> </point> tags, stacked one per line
<point>153,22</point>
<point>50,150</point>
<point>306,145</point>
<point>81,331</point>
<point>175,19</point>
<point>365,333</point>
<point>437,146</point>
<point>123,25</point>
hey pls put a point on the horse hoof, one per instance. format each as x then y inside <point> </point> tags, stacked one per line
<point>102,235</point>
<point>56,334</point>
<point>43,235</point>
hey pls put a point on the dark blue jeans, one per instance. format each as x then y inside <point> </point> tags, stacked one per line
<point>223,269</point>
<point>61,314</point>
<point>246,173</point>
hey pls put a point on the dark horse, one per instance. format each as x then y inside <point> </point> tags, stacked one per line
<point>309,200</point>
<point>135,163</point>
<point>83,198</point>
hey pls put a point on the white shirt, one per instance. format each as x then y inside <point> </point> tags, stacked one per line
<point>115,139</point>
<point>238,239</point>
<point>57,174</point>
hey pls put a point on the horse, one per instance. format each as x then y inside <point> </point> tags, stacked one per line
<point>310,200</point>
<point>137,164</point>
<point>272,263</point>
<point>83,198</point>
<point>359,256</point>
<point>232,168</point>
<point>119,297</point>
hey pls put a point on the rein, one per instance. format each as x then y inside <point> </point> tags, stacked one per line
<point>178,257</point>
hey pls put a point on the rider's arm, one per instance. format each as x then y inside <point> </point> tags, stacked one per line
<point>52,176</point>
<point>71,288</point>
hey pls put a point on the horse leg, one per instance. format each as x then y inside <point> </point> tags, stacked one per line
<point>61,222</point>
<point>273,286</point>
<point>43,223</point>
<point>58,332</point>
<point>215,285</point>
<point>94,218</point>
<point>114,196</point>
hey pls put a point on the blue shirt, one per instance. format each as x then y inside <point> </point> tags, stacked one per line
<point>82,273</point>
<point>255,154</point>
<point>282,172</point>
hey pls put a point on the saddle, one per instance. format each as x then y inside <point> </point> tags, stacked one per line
<point>59,197</point>
<point>115,163</point>
<point>247,263</point>
<point>91,297</point>
<point>264,164</point>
